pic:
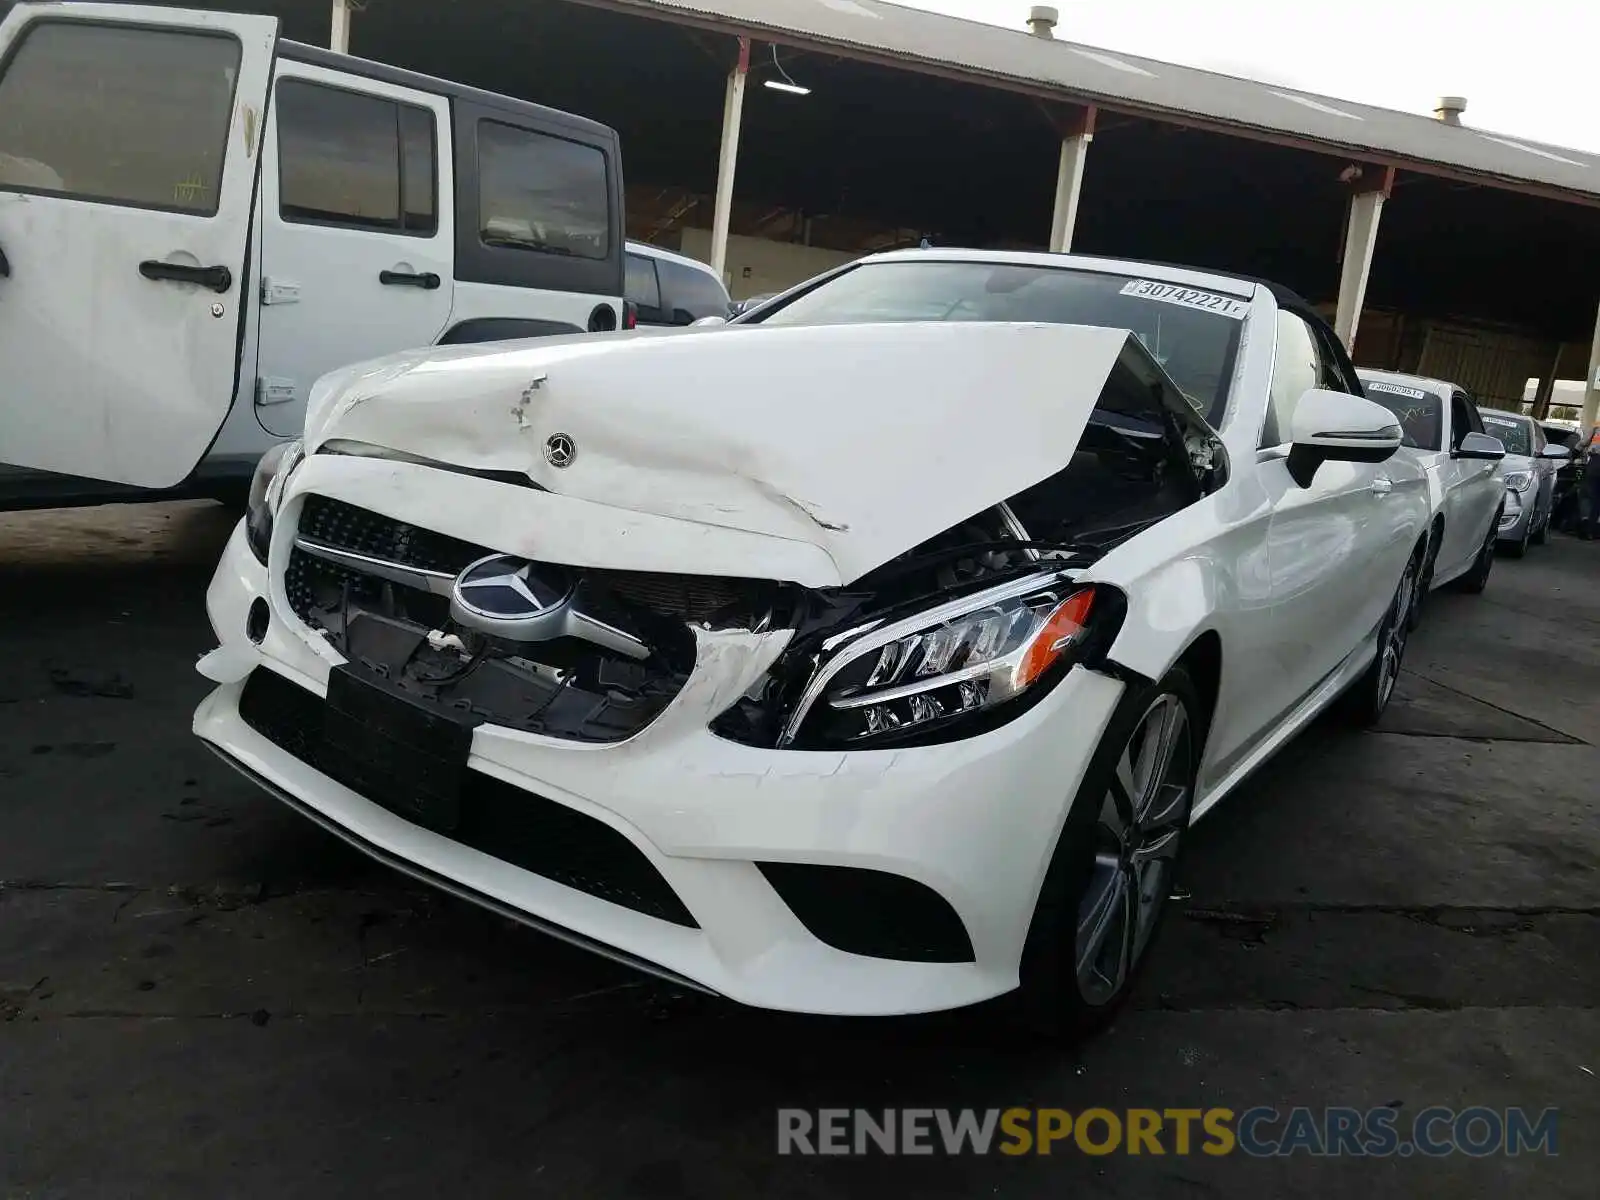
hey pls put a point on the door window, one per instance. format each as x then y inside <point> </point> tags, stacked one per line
<point>1464,419</point>
<point>119,115</point>
<point>1296,369</point>
<point>541,193</point>
<point>691,293</point>
<point>643,288</point>
<point>356,160</point>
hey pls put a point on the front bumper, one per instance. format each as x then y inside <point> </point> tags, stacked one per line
<point>975,821</point>
<point>1516,520</point>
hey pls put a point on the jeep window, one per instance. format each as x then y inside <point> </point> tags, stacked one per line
<point>118,115</point>
<point>541,193</point>
<point>691,292</point>
<point>354,159</point>
<point>643,288</point>
<point>1196,347</point>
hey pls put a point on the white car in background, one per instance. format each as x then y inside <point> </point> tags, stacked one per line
<point>1532,461</point>
<point>870,656</point>
<point>1444,434</point>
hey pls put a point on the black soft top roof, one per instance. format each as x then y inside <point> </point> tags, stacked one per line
<point>367,69</point>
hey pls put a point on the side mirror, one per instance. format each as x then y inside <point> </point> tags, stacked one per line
<point>709,321</point>
<point>1556,450</point>
<point>1331,426</point>
<point>1480,446</point>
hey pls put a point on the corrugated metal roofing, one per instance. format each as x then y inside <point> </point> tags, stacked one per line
<point>1121,81</point>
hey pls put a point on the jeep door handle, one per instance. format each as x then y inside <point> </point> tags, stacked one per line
<point>218,279</point>
<point>426,280</point>
<point>1382,487</point>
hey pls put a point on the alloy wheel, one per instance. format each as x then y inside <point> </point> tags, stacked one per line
<point>1396,629</point>
<point>1136,839</point>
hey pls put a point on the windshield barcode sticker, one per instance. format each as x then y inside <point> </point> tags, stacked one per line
<point>1171,293</point>
<point>1395,389</point>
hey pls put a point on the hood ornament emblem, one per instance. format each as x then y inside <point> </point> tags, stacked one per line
<point>560,450</point>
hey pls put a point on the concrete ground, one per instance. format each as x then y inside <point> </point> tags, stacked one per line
<point>203,995</point>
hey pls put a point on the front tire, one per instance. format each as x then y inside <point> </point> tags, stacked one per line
<point>1366,699</point>
<point>1519,547</point>
<point>1105,892</point>
<point>1425,583</point>
<point>1475,580</point>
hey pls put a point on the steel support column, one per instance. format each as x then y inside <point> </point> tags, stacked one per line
<point>1360,240</point>
<point>728,159</point>
<point>339,31</point>
<point>1076,136</point>
<point>1591,383</point>
<point>1545,391</point>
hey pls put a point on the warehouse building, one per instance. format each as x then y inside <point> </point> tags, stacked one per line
<point>775,138</point>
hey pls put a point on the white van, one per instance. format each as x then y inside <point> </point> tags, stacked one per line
<point>198,220</point>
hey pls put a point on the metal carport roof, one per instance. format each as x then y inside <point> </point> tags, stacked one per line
<point>997,56</point>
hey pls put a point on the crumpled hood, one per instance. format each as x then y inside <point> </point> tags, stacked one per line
<point>861,440</point>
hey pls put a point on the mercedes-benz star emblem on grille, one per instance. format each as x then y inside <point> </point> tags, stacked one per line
<point>560,450</point>
<point>507,597</point>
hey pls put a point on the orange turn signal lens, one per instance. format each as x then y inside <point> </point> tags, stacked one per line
<point>1061,630</point>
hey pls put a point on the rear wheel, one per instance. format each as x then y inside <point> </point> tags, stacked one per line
<point>1364,703</point>
<point>1106,890</point>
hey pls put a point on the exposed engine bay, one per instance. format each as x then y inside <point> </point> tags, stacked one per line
<point>376,590</point>
<point>380,591</point>
<point>400,627</point>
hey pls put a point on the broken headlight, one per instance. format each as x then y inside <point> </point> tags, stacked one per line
<point>266,493</point>
<point>961,660</point>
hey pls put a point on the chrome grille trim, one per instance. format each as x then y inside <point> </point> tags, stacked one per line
<point>437,582</point>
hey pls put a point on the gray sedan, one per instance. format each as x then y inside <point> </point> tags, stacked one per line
<point>1530,475</point>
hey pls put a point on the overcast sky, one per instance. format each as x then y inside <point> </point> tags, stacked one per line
<point>1527,67</point>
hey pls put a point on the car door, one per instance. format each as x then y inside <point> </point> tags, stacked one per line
<point>1464,497</point>
<point>128,161</point>
<point>1481,484</point>
<point>1547,472</point>
<point>357,230</point>
<point>1332,547</point>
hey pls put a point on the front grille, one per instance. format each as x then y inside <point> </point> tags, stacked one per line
<point>528,831</point>
<point>362,531</point>
<point>688,597</point>
<point>348,527</point>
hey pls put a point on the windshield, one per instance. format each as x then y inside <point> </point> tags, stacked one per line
<point>1421,413</point>
<point>1194,334</point>
<point>1512,432</point>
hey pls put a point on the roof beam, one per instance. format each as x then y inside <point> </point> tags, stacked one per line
<point>753,29</point>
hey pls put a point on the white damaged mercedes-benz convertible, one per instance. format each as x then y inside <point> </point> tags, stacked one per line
<point>871,654</point>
